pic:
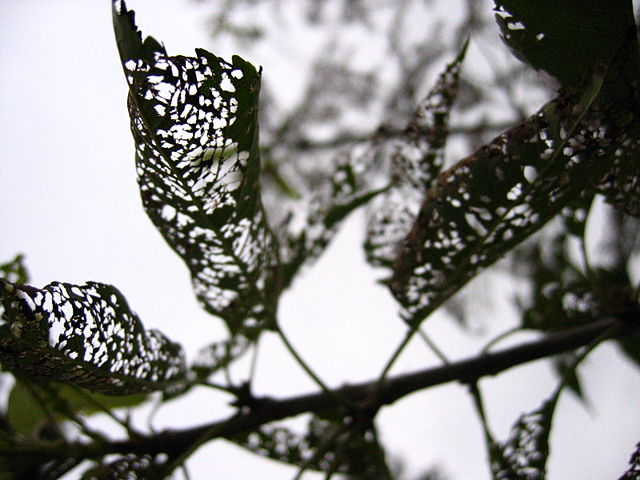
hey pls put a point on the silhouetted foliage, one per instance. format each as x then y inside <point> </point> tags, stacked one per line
<point>246,212</point>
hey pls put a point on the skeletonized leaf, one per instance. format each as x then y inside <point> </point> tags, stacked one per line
<point>564,38</point>
<point>489,202</point>
<point>524,455</point>
<point>194,121</point>
<point>86,335</point>
<point>347,188</point>
<point>415,161</point>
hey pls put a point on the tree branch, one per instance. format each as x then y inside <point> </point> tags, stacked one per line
<point>267,409</point>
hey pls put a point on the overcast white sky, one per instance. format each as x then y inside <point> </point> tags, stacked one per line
<point>69,202</point>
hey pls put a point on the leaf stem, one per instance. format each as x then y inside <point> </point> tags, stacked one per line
<point>304,365</point>
<point>433,347</point>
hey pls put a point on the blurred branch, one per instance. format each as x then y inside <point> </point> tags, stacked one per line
<point>265,409</point>
<point>390,134</point>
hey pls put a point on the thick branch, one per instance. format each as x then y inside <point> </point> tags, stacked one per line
<point>268,410</point>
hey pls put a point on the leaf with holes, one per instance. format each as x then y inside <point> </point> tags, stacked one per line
<point>327,446</point>
<point>415,161</point>
<point>194,122</point>
<point>346,189</point>
<point>486,204</point>
<point>85,335</point>
<point>524,455</point>
<point>633,473</point>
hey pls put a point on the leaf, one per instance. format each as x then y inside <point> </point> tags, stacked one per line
<point>327,446</point>
<point>15,270</point>
<point>217,356</point>
<point>346,189</point>
<point>634,466</point>
<point>194,122</point>
<point>523,456</point>
<point>416,159</point>
<point>621,187</point>
<point>26,414</point>
<point>561,296</point>
<point>85,335</point>
<point>564,38</point>
<point>489,202</point>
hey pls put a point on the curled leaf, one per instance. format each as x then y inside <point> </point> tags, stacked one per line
<point>194,122</point>
<point>86,335</point>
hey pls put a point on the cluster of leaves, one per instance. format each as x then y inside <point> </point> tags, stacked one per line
<point>198,159</point>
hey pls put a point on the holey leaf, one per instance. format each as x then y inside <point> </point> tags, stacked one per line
<point>86,335</point>
<point>346,189</point>
<point>415,161</point>
<point>194,122</point>
<point>524,455</point>
<point>483,206</point>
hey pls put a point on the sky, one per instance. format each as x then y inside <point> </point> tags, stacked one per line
<point>69,202</point>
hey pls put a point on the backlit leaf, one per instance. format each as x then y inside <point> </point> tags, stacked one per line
<point>194,122</point>
<point>415,160</point>
<point>523,456</point>
<point>634,466</point>
<point>344,190</point>
<point>486,204</point>
<point>86,335</point>
<point>327,446</point>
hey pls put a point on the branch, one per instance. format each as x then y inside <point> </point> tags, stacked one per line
<point>384,133</point>
<point>267,409</point>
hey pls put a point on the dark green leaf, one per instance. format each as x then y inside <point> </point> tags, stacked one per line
<point>86,335</point>
<point>194,121</point>
<point>565,38</point>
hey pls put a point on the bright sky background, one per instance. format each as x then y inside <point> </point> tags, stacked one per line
<point>69,202</point>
